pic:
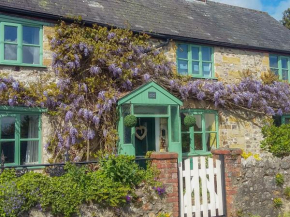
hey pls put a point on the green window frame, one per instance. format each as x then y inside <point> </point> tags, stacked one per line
<point>280,65</point>
<point>195,60</point>
<point>286,119</point>
<point>23,146</point>
<point>196,140</point>
<point>28,53</point>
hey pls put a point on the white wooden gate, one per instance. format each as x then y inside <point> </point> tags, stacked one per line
<point>201,188</point>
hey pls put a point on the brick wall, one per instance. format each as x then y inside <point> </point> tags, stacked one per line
<point>167,164</point>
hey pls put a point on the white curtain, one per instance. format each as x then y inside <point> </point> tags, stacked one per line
<point>32,146</point>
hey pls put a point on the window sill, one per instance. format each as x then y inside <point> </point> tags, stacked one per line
<point>23,65</point>
<point>205,78</point>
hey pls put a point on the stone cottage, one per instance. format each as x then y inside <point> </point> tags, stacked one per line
<point>206,40</point>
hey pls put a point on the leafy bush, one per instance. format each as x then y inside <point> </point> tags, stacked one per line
<point>276,140</point>
<point>122,169</point>
<point>287,192</point>
<point>130,121</point>
<point>277,203</point>
<point>279,178</point>
<point>110,186</point>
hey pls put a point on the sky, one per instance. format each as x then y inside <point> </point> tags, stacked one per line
<point>274,7</point>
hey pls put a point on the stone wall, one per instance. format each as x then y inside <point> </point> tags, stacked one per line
<point>228,62</point>
<point>251,184</point>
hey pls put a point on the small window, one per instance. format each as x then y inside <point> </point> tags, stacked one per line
<point>22,43</point>
<point>20,139</point>
<point>203,135</point>
<point>280,66</point>
<point>196,61</point>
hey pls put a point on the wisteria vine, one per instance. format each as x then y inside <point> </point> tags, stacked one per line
<point>94,66</point>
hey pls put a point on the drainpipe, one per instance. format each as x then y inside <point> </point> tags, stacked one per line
<point>158,46</point>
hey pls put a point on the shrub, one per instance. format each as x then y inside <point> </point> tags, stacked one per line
<point>287,192</point>
<point>279,178</point>
<point>277,203</point>
<point>110,186</point>
<point>276,140</point>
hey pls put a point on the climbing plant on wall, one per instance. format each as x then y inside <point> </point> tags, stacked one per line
<point>95,65</point>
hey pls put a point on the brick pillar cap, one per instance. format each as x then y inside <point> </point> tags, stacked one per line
<point>164,155</point>
<point>227,151</point>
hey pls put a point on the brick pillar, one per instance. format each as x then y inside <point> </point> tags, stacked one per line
<point>232,171</point>
<point>166,162</point>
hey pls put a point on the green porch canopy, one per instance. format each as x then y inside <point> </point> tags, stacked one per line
<point>158,125</point>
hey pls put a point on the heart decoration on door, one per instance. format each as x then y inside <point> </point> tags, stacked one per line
<point>141,132</point>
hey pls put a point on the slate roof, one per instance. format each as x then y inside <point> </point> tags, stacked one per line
<point>187,20</point>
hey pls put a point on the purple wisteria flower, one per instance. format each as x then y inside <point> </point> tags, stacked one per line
<point>68,116</point>
<point>94,70</point>
<point>128,198</point>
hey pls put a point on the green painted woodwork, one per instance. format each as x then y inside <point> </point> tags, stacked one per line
<point>17,112</point>
<point>19,24</point>
<point>191,59</point>
<point>286,119</point>
<point>281,67</point>
<point>140,96</point>
<point>195,138</point>
<point>148,102</point>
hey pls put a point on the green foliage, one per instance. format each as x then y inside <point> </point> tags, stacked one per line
<point>189,120</point>
<point>279,178</point>
<point>276,139</point>
<point>130,121</point>
<point>287,192</point>
<point>287,214</point>
<point>277,202</point>
<point>286,18</point>
<point>122,169</point>
<point>109,186</point>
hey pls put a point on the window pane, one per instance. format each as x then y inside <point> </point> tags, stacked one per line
<point>211,141</point>
<point>174,124</point>
<point>210,122</point>
<point>195,68</point>
<point>10,52</point>
<point>185,142</point>
<point>198,141</point>
<point>274,61</point>
<point>29,126</point>
<point>287,120</point>
<point>30,55</point>
<point>198,124</point>
<point>285,75</point>
<point>182,67</point>
<point>284,63</point>
<point>206,69</point>
<point>30,35</point>
<point>275,71</point>
<point>7,128</point>
<point>8,148</point>
<point>127,135</point>
<point>10,33</point>
<point>150,110</point>
<point>195,53</point>
<point>206,53</point>
<point>29,152</point>
<point>182,51</point>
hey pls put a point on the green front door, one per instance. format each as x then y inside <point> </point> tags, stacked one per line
<point>144,143</point>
